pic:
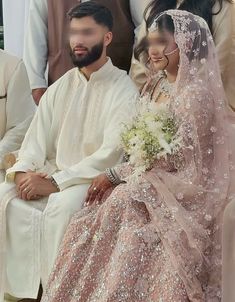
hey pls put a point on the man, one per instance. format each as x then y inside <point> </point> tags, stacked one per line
<point>16,106</point>
<point>72,139</point>
<point>46,38</point>
<point>15,18</point>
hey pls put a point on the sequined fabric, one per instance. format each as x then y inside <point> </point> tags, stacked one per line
<point>158,238</point>
<point>114,253</point>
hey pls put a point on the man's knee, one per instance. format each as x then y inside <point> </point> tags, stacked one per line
<point>5,188</point>
<point>69,200</point>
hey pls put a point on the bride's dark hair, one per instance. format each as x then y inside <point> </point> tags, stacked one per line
<point>203,8</point>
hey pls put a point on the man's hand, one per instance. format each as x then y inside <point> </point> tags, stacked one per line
<point>32,186</point>
<point>37,94</point>
<point>20,177</point>
<point>97,189</point>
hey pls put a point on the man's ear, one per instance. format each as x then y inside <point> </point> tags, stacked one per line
<point>108,38</point>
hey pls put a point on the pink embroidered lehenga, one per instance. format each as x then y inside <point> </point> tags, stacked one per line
<point>158,239</point>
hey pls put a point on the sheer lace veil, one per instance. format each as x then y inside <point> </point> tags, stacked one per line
<point>202,186</point>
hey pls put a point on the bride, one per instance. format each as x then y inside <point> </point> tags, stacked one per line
<point>158,237</point>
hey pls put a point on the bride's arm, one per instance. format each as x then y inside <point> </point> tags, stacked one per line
<point>122,171</point>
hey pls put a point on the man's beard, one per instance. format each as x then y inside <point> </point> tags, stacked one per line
<point>90,57</point>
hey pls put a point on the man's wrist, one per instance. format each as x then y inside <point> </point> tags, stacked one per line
<point>54,183</point>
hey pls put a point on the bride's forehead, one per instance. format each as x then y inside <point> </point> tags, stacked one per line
<point>163,34</point>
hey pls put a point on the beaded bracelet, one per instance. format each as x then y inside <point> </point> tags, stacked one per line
<point>113,177</point>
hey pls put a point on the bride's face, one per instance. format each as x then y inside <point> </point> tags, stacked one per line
<point>163,51</point>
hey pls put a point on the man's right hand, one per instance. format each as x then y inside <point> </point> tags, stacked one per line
<point>21,178</point>
<point>37,94</point>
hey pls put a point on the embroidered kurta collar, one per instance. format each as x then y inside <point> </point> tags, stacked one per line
<point>100,74</point>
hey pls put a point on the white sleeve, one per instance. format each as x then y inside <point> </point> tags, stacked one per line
<point>36,48</point>
<point>19,110</point>
<point>32,154</point>
<point>13,21</point>
<point>223,33</point>
<point>224,37</point>
<point>109,153</point>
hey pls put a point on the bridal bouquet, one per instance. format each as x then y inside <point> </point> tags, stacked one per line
<point>151,135</point>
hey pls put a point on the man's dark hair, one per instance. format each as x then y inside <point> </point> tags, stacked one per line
<point>98,12</point>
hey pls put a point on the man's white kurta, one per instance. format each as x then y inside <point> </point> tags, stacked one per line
<point>74,137</point>
<point>15,18</point>
<point>16,105</point>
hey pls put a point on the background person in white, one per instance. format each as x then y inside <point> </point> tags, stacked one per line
<point>16,105</point>
<point>15,18</point>
<point>37,50</point>
<point>73,137</point>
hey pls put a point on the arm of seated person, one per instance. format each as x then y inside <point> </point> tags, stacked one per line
<point>32,186</point>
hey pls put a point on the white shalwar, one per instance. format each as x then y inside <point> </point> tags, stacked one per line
<point>74,137</point>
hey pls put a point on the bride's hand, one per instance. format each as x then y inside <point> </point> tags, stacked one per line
<point>97,189</point>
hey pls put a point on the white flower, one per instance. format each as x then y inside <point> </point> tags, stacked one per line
<point>152,134</point>
<point>163,143</point>
<point>208,217</point>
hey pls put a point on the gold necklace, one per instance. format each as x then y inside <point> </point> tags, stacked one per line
<point>164,88</point>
